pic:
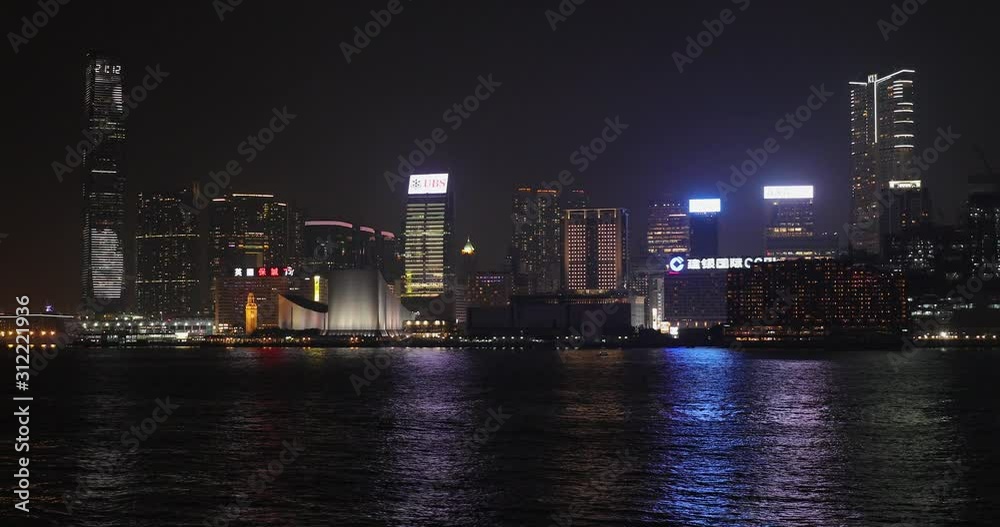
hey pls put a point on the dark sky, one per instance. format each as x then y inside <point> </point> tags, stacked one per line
<point>609,58</point>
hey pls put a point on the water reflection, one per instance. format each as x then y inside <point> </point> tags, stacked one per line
<point>641,437</point>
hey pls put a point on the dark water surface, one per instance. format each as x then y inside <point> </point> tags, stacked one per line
<point>450,437</point>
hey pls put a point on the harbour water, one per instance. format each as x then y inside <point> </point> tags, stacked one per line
<point>435,437</point>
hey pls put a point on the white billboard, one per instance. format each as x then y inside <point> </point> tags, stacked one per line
<point>705,206</point>
<point>905,184</point>
<point>789,192</point>
<point>428,184</point>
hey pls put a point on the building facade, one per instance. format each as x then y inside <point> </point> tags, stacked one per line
<point>333,244</point>
<point>167,272</point>
<point>667,230</point>
<point>884,137</point>
<point>265,283</point>
<point>536,243</point>
<point>247,231</point>
<point>104,239</point>
<point>703,217</point>
<point>983,228</point>
<point>815,298</point>
<point>595,250</point>
<point>790,230</point>
<point>428,262</point>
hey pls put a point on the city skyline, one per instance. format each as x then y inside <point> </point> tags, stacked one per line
<point>162,160</point>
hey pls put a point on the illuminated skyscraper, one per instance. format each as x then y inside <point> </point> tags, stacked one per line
<point>883,139</point>
<point>427,231</point>
<point>103,265</point>
<point>703,216</point>
<point>668,231</point>
<point>536,244</point>
<point>595,253</point>
<point>247,230</point>
<point>166,254</point>
<point>791,224</point>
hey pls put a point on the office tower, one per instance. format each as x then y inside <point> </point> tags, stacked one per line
<point>908,206</point>
<point>703,216</point>
<point>490,289</point>
<point>329,245</point>
<point>266,283</point>
<point>380,250</point>
<point>983,227</point>
<point>103,266</point>
<point>668,231</point>
<point>595,254</point>
<point>536,244</point>
<point>427,233</point>
<point>883,139</point>
<point>246,231</point>
<point>296,235</point>
<point>166,257</point>
<point>814,298</point>
<point>790,228</point>
<point>655,302</point>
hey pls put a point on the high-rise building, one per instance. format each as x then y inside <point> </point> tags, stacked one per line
<point>790,229</point>
<point>247,230</point>
<point>655,302</point>
<point>575,198</point>
<point>703,217</point>
<point>490,289</point>
<point>596,254</point>
<point>668,231</point>
<point>883,140</point>
<point>296,235</point>
<point>166,257</point>
<point>104,247</point>
<point>428,266</point>
<point>907,207</point>
<point>536,244</point>
<point>983,226</point>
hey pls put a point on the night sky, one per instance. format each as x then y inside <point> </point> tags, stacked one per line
<point>605,60</point>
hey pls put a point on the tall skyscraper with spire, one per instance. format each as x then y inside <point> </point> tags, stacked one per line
<point>103,269</point>
<point>883,140</point>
